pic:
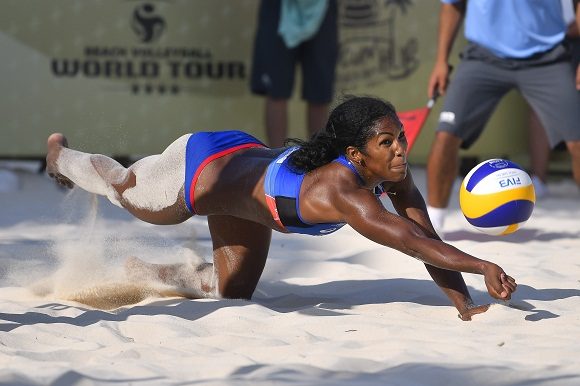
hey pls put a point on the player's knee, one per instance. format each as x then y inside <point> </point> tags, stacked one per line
<point>112,172</point>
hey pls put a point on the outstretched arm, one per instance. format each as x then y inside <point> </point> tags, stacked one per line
<point>412,234</point>
<point>409,203</point>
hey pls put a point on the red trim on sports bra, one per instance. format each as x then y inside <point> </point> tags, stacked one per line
<point>210,159</point>
<point>271,202</point>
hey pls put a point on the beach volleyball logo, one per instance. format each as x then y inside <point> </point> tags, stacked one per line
<point>146,24</point>
<point>497,197</point>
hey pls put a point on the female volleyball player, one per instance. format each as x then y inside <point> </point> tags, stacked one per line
<point>247,190</point>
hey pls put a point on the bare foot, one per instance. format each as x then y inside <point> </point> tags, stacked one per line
<point>55,143</point>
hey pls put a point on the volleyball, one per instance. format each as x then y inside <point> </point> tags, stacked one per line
<point>497,197</point>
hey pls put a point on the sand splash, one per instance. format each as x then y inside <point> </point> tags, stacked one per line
<point>89,262</point>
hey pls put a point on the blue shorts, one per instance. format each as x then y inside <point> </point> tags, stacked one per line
<point>204,147</point>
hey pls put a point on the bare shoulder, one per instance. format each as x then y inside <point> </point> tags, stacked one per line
<point>329,193</point>
<point>332,178</point>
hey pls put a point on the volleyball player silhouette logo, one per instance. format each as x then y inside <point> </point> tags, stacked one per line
<point>146,24</point>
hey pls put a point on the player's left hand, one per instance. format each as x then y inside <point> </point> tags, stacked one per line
<point>499,284</point>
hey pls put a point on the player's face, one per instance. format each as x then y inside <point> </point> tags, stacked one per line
<point>386,152</point>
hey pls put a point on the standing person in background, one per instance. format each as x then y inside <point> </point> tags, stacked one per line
<point>291,32</point>
<point>512,45</point>
<point>538,141</point>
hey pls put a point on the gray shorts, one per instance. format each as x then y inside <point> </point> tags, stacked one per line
<point>546,81</point>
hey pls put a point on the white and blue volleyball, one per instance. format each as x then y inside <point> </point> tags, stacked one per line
<point>497,197</point>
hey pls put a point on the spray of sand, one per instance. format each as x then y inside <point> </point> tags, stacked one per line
<point>89,261</point>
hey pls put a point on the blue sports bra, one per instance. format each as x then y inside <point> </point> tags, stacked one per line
<point>282,188</point>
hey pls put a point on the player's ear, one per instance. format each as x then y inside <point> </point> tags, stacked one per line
<point>353,154</point>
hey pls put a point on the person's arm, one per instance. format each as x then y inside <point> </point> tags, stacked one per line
<point>409,203</point>
<point>450,18</point>
<point>410,234</point>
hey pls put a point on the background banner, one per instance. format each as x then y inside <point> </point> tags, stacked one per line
<point>126,77</point>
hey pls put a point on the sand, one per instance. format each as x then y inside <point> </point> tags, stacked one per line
<point>334,310</point>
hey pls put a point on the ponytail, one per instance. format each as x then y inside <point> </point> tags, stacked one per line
<point>312,154</point>
<point>351,123</point>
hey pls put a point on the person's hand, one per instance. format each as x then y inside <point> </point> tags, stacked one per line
<point>439,79</point>
<point>472,310</point>
<point>578,77</point>
<point>499,284</point>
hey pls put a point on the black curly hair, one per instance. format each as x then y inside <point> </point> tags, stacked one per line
<point>351,123</point>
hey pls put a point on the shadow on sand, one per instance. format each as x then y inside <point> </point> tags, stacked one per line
<point>327,299</point>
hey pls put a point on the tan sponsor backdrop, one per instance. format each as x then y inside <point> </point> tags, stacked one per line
<point>126,77</point>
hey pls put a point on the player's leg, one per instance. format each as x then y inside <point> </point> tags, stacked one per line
<point>574,149</point>
<point>69,167</point>
<point>539,148</point>
<point>550,90</point>
<point>190,279</point>
<point>272,72</point>
<point>151,189</point>
<point>471,98</point>
<point>318,57</point>
<point>240,249</point>
<point>442,168</point>
<point>276,120</point>
<point>154,191</point>
<point>316,117</point>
